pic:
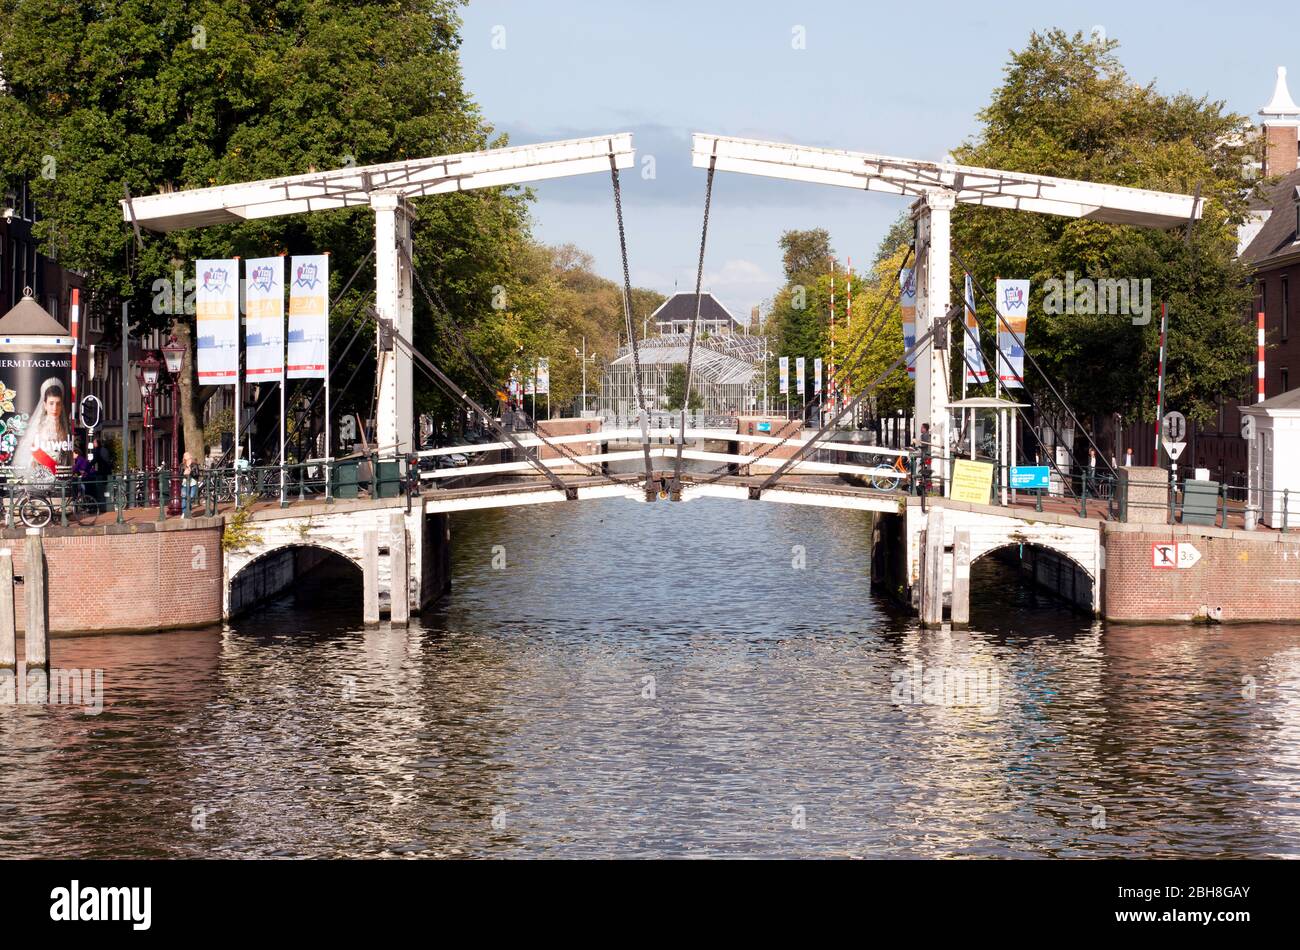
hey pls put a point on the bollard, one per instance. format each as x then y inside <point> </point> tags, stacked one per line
<point>8,620</point>
<point>399,571</point>
<point>370,577</point>
<point>932,599</point>
<point>36,636</point>
<point>961,577</point>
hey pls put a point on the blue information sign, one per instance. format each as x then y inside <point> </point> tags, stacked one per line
<point>1029,476</point>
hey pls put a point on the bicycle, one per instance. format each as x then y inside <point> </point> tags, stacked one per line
<point>889,477</point>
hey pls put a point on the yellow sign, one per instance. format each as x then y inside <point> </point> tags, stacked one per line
<point>971,481</point>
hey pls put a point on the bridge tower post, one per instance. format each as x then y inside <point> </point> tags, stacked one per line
<point>393,300</point>
<point>933,216</point>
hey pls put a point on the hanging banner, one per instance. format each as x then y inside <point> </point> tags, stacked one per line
<point>1013,319</point>
<point>216,321</point>
<point>784,368</point>
<point>264,319</point>
<point>543,376</point>
<point>817,375</point>
<point>309,316</point>
<point>975,370</point>
<point>799,373</point>
<point>907,300</point>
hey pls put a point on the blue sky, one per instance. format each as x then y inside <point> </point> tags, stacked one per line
<point>901,79</point>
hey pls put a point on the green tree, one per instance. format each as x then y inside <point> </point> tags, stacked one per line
<point>158,96</point>
<point>675,390</point>
<point>1068,108</point>
<point>805,254</point>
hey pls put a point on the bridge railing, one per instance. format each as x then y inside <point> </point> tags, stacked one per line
<point>210,490</point>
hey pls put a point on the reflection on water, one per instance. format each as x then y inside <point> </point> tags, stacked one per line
<point>664,680</point>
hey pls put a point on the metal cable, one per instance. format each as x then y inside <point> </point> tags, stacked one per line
<point>676,491</point>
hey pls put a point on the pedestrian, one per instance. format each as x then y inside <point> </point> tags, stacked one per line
<point>189,483</point>
<point>1128,457</point>
<point>102,466</point>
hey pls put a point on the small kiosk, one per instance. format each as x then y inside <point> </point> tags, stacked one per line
<point>1004,433</point>
<point>36,428</point>
<point>1272,431</point>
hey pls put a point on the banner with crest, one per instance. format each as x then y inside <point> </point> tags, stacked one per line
<point>907,301</point>
<point>1013,320</point>
<point>264,319</point>
<point>309,319</point>
<point>216,312</point>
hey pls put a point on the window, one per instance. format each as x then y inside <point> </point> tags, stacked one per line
<point>1286,307</point>
<point>1286,379</point>
<point>1263,296</point>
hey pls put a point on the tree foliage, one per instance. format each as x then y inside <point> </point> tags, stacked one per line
<point>1068,108</point>
<point>158,96</point>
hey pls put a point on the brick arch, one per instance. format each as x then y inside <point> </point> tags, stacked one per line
<point>1063,573</point>
<point>1042,545</point>
<point>238,564</point>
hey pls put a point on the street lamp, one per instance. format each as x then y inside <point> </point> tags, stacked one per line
<point>147,376</point>
<point>174,354</point>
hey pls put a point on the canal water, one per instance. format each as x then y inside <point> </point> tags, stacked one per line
<point>712,678</point>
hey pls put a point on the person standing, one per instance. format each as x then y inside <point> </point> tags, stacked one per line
<point>189,483</point>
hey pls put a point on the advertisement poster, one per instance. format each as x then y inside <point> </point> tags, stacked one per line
<point>907,300</point>
<point>35,426</point>
<point>784,367</point>
<point>264,319</point>
<point>817,375</point>
<point>800,376</point>
<point>309,316</point>
<point>543,376</point>
<point>216,315</point>
<point>1013,319</point>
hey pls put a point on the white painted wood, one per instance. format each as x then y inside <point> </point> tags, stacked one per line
<point>399,610</point>
<point>370,577</point>
<point>969,184</point>
<point>960,610</point>
<point>36,635</point>
<point>8,619</point>
<point>352,187</point>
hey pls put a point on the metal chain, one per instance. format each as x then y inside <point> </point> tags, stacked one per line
<point>631,328</point>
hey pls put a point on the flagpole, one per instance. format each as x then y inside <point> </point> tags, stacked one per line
<point>284,373</point>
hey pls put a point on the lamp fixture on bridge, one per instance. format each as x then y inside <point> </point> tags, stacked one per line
<point>174,354</point>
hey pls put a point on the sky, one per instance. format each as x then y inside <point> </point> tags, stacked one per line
<point>901,79</point>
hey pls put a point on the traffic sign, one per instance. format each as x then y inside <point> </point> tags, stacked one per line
<point>1173,449</point>
<point>1172,555</point>
<point>1173,426</point>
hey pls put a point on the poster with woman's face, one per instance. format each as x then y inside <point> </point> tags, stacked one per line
<point>35,428</point>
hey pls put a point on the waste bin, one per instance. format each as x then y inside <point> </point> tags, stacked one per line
<point>345,479</point>
<point>388,479</point>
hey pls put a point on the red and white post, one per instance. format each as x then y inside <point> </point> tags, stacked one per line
<point>1260,343</point>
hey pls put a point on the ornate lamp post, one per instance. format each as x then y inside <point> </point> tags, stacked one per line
<point>147,376</point>
<point>174,355</point>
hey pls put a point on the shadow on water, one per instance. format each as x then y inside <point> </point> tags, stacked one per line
<point>323,602</point>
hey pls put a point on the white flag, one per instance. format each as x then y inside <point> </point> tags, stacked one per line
<point>975,371</point>
<point>309,317</point>
<point>1013,319</point>
<point>264,319</point>
<point>216,321</point>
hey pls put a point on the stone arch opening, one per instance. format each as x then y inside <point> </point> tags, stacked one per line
<point>272,573</point>
<point>1044,568</point>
